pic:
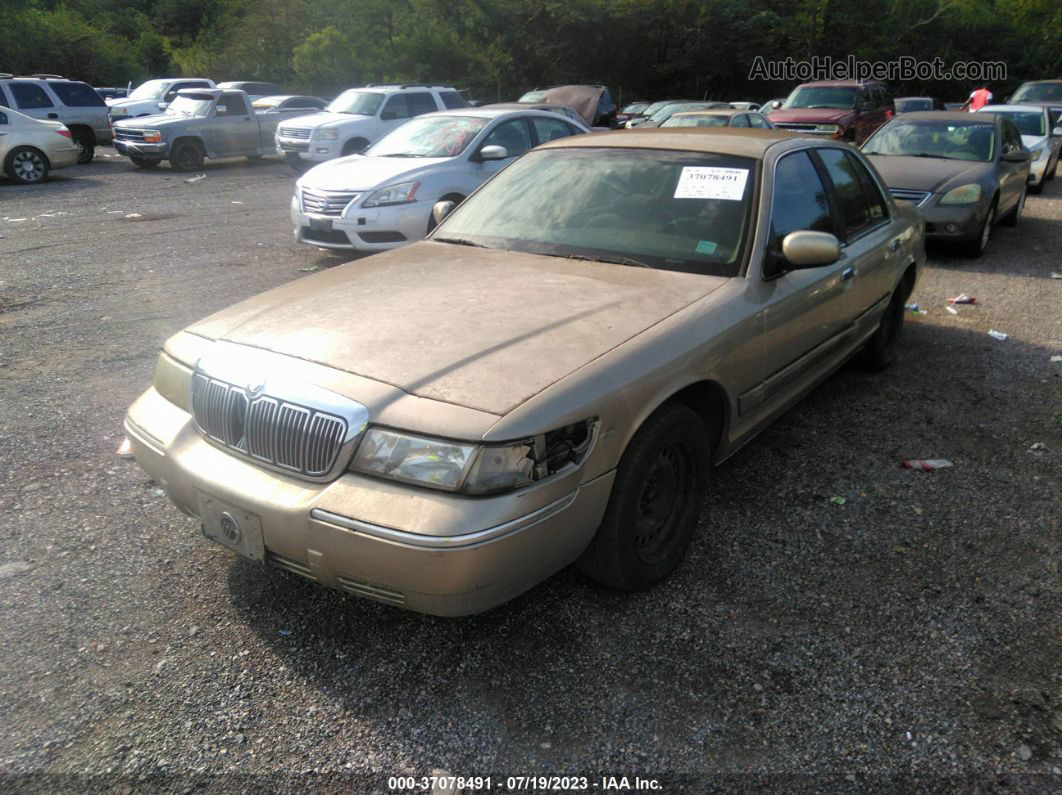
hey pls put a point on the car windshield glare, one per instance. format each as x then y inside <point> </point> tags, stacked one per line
<point>357,103</point>
<point>696,121</point>
<point>152,89</point>
<point>947,140</point>
<point>1038,92</point>
<point>197,105</point>
<point>430,136</point>
<point>681,211</point>
<point>822,97</point>
<point>1027,122</point>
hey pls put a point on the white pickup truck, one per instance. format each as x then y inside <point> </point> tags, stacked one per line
<point>149,98</point>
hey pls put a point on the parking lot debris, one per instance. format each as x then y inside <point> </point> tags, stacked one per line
<point>132,215</point>
<point>916,309</point>
<point>196,178</point>
<point>997,335</point>
<point>1056,275</point>
<point>1038,447</point>
<point>1056,358</point>
<point>284,633</point>
<point>125,450</point>
<point>235,202</point>
<point>962,298</point>
<point>838,500</point>
<point>310,269</point>
<point>952,310</point>
<point>926,464</point>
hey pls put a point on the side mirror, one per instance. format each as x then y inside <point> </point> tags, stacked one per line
<point>493,153</point>
<point>1057,132</point>
<point>1020,156</point>
<point>441,210</point>
<point>163,105</point>
<point>776,104</point>
<point>221,110</point>
<point>807,249</point>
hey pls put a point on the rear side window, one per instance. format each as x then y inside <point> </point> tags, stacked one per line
<point>29,96</point>
<point>451,100</point>
<point>76,95</point>
<point>855,214</point>
<point>3,118</point>
<point>800,201</point>
<point>420,102</point>
<point>740,121</point>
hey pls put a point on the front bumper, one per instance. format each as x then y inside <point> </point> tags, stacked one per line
<point>159,151</point>
<point>302,149</point>
<point>958,222</point>
<point>416,548</point>
<point>374,229</point>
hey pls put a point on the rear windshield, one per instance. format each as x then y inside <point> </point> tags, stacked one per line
<point>76,95</point>
<point>681,211</point>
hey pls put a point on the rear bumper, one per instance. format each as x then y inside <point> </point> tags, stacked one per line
<point>423,550</point>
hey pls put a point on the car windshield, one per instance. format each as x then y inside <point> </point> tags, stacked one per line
<point>668,111</point>
<point>681,211</point>
<point>1027,122</point>
<point>190,105</point>
<point>357,103</point>
<point>696,121</point>
<point>1038,92</point>
<point>949,140</point>
<point>657,106</point>
<point>909,105</point>
<point>429,136</point>
<point>635,107</point>
<point>152,89</point>
<point>822,97</point>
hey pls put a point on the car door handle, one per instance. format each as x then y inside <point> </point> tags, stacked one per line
<point>847,274</point>
<point>53,115</point>
<point>895,244</point>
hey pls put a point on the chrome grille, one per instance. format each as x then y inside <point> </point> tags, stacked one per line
<point>326,202</point>
<point>123,134</point>
<point>295,132</point>
<point>294,438</point>
<point>915,197</point>
<point>795,126</point>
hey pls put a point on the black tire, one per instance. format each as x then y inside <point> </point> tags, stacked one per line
<point>882,349</point>
<point>354,146</point>
<point>657,494</point>
<point>186,155</point>
<point>26,165</point>
<point>1014,215</point>
<point>144,162</point>
<point>451,197</point>
<point>85,142</point>
<point>1054,170</point>
<point>976,247</point>
<point>1037,189</point>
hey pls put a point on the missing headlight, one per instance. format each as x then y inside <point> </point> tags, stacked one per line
<point>567,445</point>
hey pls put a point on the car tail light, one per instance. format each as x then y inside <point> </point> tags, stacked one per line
<point>64,132</point>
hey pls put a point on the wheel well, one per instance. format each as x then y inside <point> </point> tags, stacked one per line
<point>709,400</point>
<point>82,128</point>
<point>191,138</point>
<point>452,197</point>
<point>352,147</point>
<point>908,280</point>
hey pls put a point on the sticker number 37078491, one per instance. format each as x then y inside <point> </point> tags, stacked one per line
<point>706,182</point>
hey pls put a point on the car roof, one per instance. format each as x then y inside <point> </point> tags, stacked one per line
<point>842,83</point>
<point>716,140</point>
<point>1001,108</point>
<point>938,115</point>
<point>214,92</point>
<point>528,106</point>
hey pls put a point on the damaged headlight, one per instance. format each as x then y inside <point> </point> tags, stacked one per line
<point>471,468</point>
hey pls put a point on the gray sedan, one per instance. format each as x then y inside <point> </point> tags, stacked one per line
<point>965,171</point>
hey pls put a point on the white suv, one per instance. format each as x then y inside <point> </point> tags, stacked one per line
<point>358,118</point>
<point>71,102</point>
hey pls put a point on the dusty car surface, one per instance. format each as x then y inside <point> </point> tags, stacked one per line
<point>966,171</point>
<point>548,378</point>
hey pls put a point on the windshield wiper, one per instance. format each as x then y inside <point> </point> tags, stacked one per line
<point>458,241</point>
<point>610,260</point>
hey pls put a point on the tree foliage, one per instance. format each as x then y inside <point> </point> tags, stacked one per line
<point>496,48</point>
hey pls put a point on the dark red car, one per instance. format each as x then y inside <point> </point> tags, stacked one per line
<point>848,110</point>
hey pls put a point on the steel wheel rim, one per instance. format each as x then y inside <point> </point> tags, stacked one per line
<point>662,501</point>
<point>82,150</point>
<point>988,227</point>
<point>185,157</point>
<point>29,166</point>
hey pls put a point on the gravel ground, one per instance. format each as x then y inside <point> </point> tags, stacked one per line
<point>908,637</point>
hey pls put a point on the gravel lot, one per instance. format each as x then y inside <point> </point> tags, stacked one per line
<point>910,637</point>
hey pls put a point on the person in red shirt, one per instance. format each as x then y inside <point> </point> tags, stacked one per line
<point>978,99</point>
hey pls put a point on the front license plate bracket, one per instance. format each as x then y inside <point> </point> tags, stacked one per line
<point>232,527</point>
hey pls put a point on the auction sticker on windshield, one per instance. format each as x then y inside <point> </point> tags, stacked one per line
<point>705,182</point>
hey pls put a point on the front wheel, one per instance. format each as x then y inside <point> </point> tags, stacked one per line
<point>26,165</point>
<point>1014,215</point>
<point>186,156</point>
<point>656,501</point>
<point>976,247</point>
<point>882,349</point>
<point>145,162</point>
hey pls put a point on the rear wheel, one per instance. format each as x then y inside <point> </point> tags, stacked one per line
<point>1014,215</point>
<point>26,165</point>
<point>656,501</point>
<point>186,155</point>
<point>86,145</point>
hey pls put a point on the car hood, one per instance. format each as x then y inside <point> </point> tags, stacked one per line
<point>361,172</point>
<point>323,119</point>
<point>481,328</point>
<point>809,115</point>
<point>155,121</point>
<point>934,174</point>
<point>125,102</point>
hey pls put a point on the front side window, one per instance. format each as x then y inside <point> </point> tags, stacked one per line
<point>233,105</point>
<point>356,103</point>
<point>758,121</point>
<point>29,96</point>
<point>671,210</point>
<point>875,199</point>
<point>855,213</point>
<point>800,202</point>
<point>513,135</point>
<point>741,120</point>
<point>836,97</point>
<point>1027,122</point>
<point>949,140</point>
<point>435,136</point>
<point>1011,137</point>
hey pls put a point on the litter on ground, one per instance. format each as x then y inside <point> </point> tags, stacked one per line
<point>190,180</point>
<point>926,464</point>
